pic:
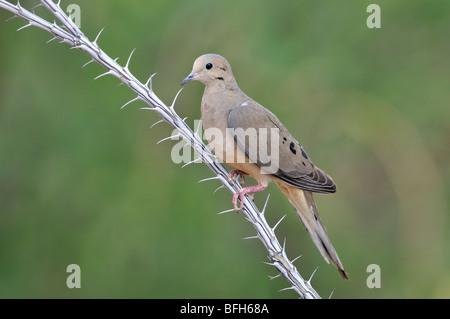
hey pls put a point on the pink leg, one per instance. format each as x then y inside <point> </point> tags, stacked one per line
<point>233,175</point>
<point>246,191</point>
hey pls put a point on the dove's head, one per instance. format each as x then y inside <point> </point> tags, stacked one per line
<point>211,70</point>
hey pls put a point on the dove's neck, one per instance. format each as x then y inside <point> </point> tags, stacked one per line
<point>220,84</point>
<point>217,102</point>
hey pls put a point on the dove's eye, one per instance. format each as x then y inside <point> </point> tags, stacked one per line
<point>209,66</point>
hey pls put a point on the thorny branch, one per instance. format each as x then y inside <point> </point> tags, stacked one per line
<point>66,31</point>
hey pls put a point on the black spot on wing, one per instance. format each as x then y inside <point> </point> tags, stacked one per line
<point>304,153</point>
<point>292,148</point>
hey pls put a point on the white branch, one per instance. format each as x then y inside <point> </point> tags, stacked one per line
<point>69,33</point>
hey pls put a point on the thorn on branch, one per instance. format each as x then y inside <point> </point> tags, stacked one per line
<point>265,204</point>
<point>149,82</point>
<point>10,18</point>
<point>197,160</point>
<point>274,277</point>
<point>54,24</point>
<point>251,237</point>
<point>221,186</point>
<point>169,138</point>
<point>269,263</point>
<point>208,179</point>
<point>38,5</point>
<point>226,211</point>
<point>287,288</point>
<point>96,38</point>
<point>157,122</point>
<point>103,74</point>
<point>54,38</point>
<point>197,130</point>
<point>130,101</point>
<point>84,65</point>
<point>293,260</point>
<point>276,225</point>
<point>309,280</point>
<point>25,26</point>
<point>331,293</point>
<point>174,100</point>
<point>128,61</point>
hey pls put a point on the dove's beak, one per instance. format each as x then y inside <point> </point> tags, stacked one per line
<point>190,77</point>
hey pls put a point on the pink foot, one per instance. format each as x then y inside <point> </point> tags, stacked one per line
<point>234,174</point>
<point>246,191</point>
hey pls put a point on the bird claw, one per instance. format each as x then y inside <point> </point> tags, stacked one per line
<point>240,195</point>
<point>245,191</point>
<point>235,198</point>
<point>234,174</point>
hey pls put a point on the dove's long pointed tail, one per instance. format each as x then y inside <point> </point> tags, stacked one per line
<point>304,204</point>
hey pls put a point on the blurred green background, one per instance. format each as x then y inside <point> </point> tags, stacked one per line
<point>84,182</point>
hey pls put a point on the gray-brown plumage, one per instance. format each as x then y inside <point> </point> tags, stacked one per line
<point>235,126</point>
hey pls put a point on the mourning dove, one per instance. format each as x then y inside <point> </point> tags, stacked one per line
<point>235,126</point>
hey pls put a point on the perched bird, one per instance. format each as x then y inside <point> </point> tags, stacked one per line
<point>241,132</point>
